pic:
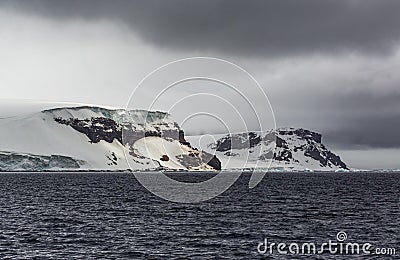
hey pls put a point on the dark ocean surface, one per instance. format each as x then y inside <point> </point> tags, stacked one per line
<point>111,216</point>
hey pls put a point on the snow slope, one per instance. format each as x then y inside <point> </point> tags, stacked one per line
<point>91,136</point>
<point>96,138</point>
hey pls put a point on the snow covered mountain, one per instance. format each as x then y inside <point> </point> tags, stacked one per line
<point>95,138</point>
<point>280,149</point>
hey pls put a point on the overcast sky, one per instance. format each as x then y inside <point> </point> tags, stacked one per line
<point>330,66</point>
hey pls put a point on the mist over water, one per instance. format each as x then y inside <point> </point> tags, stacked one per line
<point>103,215</point>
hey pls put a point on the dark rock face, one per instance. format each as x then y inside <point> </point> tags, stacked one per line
<point>164,158</point>
<point>313,152</point>
<point>182,139</point>
<point>211,160</point>
<point>101,128</point>
<point>335,159</point>
<point>130,135</point>
<point>284,155</point>
<point>302,133</point>
<point>224,145</point>
<point>288,142</point>
<point>238,141</point>
<point>96,128</point>
<point>194,160</point>
<point>313,148</point>
<point>281,143</point>
<point>254,139</point>
<point>325,157</point>
<point>113,159</point>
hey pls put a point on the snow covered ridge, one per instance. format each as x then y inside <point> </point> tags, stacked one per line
<point>95,138</point>
<point>100,139</point>
<point>283,149</point>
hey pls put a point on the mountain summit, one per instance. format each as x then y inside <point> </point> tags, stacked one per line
<point>282,148</point>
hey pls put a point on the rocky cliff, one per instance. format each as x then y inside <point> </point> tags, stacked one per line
<point>99,139</point>
<point>287,148</point>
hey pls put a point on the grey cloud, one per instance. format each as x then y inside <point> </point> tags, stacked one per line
<point>352,120</point>
<point>255,28</point>
<point>376,132</point>
<point>372,120</point>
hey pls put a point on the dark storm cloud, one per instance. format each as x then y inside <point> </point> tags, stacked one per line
<point>367,120</point>
<point>377,132</point>
<point>256,28</point>
<point>347,120</point>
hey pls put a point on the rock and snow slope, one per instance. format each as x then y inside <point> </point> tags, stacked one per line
<point>94,138</point>
<point>280,149</point>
